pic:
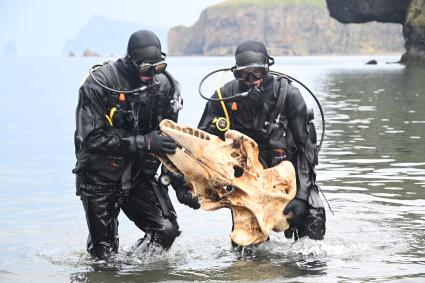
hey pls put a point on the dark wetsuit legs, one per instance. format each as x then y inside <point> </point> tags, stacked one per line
<point>102,211</point>
<point>143,208</point>
<point>313,226</point>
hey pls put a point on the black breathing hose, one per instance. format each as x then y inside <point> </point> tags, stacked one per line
<point>215,99</point>
<point>315,99</point>
<point>275,73</point>
<point>95,67</point>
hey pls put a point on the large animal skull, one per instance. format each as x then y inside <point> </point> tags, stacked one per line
<point>228,174</point>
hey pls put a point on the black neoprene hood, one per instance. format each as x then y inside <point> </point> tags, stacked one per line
<point>144,46</point>
<point>251,52</point>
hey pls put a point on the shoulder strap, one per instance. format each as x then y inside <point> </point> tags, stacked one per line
<point>115,76</point>
<point>110,72</point>
<point>280,91</point>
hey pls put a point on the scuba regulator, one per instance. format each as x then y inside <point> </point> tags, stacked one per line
<point>254,93</point>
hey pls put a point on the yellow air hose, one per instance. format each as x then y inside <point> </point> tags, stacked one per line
<point>111,116</point>
<point>226,114</point>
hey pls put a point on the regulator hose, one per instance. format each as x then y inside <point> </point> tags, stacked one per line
<point>243,94</point>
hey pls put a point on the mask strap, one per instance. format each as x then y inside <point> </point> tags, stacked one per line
<point>270,60</point>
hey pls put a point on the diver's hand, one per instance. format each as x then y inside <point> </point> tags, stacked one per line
<point>184,196</point>
<point>298,208</point>
<point>156,143</point>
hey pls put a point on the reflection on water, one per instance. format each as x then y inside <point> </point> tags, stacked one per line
<point>372,169</point>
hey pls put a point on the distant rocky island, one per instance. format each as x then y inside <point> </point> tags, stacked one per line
<point>105,37</point>
<point>287,27</point>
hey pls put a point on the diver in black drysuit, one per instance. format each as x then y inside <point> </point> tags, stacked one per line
<point>117,142</point>
<point>282,128</point>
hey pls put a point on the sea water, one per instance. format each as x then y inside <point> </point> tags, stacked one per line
<point>372,171</point>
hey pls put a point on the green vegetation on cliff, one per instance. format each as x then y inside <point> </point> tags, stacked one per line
<point>416,13</point>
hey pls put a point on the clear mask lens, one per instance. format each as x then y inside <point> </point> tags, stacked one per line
<point>150,69</point>
<point>255,72</point>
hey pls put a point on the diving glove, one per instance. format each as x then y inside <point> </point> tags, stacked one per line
<point>156,143</point>
<point>184,196</point>
<point>299,209</point>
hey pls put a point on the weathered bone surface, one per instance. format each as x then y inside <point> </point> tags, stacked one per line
<point>229,174</point>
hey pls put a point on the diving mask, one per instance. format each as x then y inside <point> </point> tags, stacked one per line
<point>251,72</point>
<point>149,69</point>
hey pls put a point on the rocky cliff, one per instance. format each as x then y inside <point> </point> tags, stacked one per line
<point>287,27</point>
<point>414,33</point>
<point>361,11</point>
<point>409,13</point>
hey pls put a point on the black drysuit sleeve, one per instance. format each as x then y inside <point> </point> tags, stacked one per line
<point>303,161</point>
<point>93,134</point>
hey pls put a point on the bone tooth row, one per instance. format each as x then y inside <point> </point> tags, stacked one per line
<point>187,130</point>
<point>193,132</point>
<point>169,124</point>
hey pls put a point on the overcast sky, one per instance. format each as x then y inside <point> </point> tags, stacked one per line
<point>41,27</point>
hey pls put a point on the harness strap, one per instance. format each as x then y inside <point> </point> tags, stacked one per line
<point>126,177</point>
<point>114,73</point>
<point>266,127</point>
<point>281,98</point>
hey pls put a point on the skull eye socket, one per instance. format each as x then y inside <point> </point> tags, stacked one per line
<point>235,155</point>
<point>237,171</point>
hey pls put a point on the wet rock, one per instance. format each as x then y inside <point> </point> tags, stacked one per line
<point>372,62</point>
<point>89,53</point>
